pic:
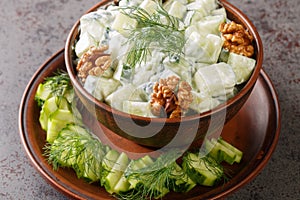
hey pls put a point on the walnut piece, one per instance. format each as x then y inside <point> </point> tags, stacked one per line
<point>237,39</point>
<point>93,62</point>
<point>184,95</point>
<point>171,97</point>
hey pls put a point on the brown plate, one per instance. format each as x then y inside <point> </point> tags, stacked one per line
<point>254,130</point>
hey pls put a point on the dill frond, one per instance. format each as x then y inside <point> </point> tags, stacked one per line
<point>157,31</point>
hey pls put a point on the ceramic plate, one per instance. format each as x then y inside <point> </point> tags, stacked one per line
<point>254,130</point>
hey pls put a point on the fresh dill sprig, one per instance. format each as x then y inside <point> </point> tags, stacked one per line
<point>59,83</point>
<point>77,149</point>
<point>154,31</point>
<point>210,164</point>
<point>154,180</point>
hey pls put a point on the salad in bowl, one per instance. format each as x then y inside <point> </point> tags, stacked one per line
<point>170,59</point>
<point>153,71</point>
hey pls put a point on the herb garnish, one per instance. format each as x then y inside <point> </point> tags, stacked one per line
<point>154,31</point>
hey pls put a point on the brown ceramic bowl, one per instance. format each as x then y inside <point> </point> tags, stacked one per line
<point>162,132</point>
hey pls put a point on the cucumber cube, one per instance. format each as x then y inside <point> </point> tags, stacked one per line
<point>149,6</point>
<point>137,108</point>
<point>242,66</point>
<point>123,24</point>
<point>204,49</point>
<point>177,9</point>
<point>105,87</point>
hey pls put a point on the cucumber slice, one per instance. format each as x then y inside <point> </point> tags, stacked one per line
<point>223,151</point>
<point>62,152</point>
<point>202,170</point>
<point>107,163</point>
<point>88,163</point>
<point>122,185</point>
<point>58,120</point>
<point>43,93</point>
<point>68,145</point>
<point>50,106</point>
<point>219,152</point>
<point>134,165</point>
<point>242,66</point>
<point>180,181</point>
<point>115,175</point>
<point>147,160</point>
<point>238,153</point>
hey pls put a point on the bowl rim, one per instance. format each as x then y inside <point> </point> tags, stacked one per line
<point>248,86</point>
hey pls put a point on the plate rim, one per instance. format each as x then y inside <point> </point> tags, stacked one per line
<point>62,187</point>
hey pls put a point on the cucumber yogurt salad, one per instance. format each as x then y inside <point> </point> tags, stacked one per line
<point>163,59</point>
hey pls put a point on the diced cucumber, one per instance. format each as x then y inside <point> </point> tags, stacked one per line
<point>209,5</point>
<point>86,41</point>
<point>193,16</point>
<point>137,108</point>
<point>242,66</point>
<point>149,6</point>
<point>204,49</point>
<point>105,87</point>
<point>199,7</point>
<point>202,170</point>
<point>123,24</point>
<point>139,94</point>
<point>224,56</point>
<point>220,11</point>
<point>210,25</point>
<point>215,80</point>
<point>122,94</point>
<point>115,174</point>
<point>203,102</point>
<point>177,9</point>
<point>181,66</point>
<point>92,29</point>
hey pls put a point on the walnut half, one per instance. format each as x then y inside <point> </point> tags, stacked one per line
<point>171,96</point>
<point>93,62</point>
<point>237,39</point>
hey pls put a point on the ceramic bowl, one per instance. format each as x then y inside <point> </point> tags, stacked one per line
<point>162,132</point>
